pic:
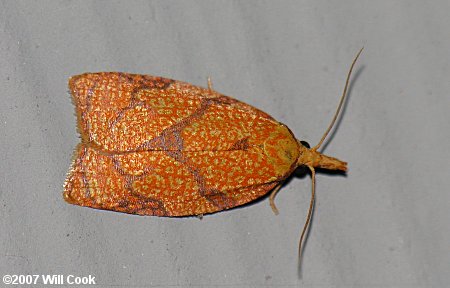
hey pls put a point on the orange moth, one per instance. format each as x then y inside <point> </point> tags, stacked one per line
<point>155,146</point>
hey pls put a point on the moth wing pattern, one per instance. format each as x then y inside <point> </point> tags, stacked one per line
<point>155,146</point>
<point>99,181</point>
<point>122,112</point>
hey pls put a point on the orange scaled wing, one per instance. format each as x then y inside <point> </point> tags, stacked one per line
<point>155,146</point>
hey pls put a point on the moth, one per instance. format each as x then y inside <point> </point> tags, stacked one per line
<point>156,146</point>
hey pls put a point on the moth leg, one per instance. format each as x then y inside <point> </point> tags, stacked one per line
<point>272,198</point>
<point>211,93</point>
<point>209,84</point>
<point>200,216</point>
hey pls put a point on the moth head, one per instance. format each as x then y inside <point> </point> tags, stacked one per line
<point>312,158</point>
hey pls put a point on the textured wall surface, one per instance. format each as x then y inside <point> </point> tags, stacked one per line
<point>384,224</point>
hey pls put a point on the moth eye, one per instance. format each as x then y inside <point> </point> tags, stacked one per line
<point>306,144</point>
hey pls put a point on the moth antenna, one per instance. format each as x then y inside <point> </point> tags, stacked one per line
<point>338,110</point>
<point>310,211</point>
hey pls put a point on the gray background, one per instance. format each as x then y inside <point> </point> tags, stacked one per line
<point>385,224</point>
